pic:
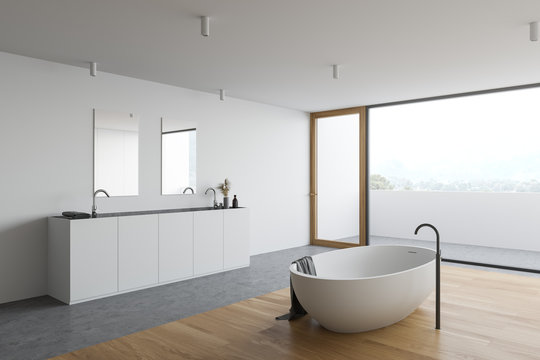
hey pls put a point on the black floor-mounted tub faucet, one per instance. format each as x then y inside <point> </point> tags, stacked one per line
<point>437,275</point>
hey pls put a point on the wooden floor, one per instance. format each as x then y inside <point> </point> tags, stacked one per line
<point>485,315</point>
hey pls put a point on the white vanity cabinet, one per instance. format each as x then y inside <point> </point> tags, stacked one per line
<point>235,238</point>
<point>175,246</point>
<point>93,258</point>
<point>137,251</point>
<point>208,241</point>
<point>83,258</point>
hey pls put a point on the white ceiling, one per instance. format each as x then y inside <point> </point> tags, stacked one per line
<point>280,52</point>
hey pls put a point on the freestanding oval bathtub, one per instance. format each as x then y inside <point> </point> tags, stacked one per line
<point>365,288</point>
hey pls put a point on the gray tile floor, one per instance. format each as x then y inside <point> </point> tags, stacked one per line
<point>42,327</point>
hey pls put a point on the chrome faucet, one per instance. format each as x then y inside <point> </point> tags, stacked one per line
<point>94,207</point>
<point>188,188</point>
<point>206,192</point>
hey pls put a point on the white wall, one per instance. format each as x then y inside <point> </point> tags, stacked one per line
<point>504,220</point>
<point>46,159</point>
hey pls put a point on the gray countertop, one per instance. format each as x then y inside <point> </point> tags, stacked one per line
<point>148,212</point>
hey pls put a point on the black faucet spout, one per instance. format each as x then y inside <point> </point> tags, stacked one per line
<point>432,227</point>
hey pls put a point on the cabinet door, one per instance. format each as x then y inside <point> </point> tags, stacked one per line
<point>175,246</point>
<point>208,241</point>
<point>137,251</point>
<point>235,238</point>
<point>94,258</point>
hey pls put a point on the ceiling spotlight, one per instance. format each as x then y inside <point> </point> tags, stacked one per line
<point>533,29</point>
<point>336,71</point>
<point>93,69</point>
<point>205,26</point>
<point>221,94</point>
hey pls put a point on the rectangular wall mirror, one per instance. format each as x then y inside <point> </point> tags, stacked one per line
<point>116,153</point>
<point>178,157</point>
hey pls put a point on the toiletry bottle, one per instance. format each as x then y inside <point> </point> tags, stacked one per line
<point>235,202</point>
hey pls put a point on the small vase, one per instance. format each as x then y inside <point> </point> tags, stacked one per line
<point>225,202</point>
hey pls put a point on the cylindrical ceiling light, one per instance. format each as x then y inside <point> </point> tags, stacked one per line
<point>205,26</point>
<point>533,27</point>
<point>221,94</point>
<point>93,69</point>
<point>336,71</point>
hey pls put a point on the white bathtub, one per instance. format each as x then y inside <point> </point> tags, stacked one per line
<point>365,288</point>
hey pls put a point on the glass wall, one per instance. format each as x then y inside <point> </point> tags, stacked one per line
<point>338,178</point>
<point>476,143</point>
<point>470,165</point>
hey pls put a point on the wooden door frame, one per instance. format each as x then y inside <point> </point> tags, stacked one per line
<point>363,192</point>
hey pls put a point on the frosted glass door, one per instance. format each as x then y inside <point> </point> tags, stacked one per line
<point>338,174</point>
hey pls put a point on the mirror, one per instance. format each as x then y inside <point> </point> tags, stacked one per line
<point>178,157</point>
<point>116,153</point>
